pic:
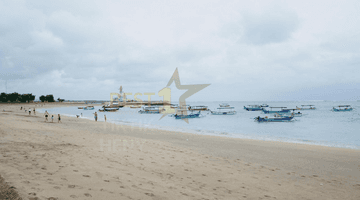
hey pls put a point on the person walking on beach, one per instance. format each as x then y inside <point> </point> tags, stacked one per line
<point>52,118</point>
<point>105,117</point>
<point>29,111</point>
<point>46,115</point>
<point>34,111</point>
<point>95,116</point>
<point>59,119</point>
<point>21,108</point>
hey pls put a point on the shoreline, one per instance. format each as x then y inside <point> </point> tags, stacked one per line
<point>226,135</point>
<point>42,157</point>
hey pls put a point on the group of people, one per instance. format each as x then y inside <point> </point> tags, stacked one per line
<point>28,110</point>
<point>96,117</point>
<point>47,115</point>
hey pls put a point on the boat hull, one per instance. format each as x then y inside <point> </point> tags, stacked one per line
<point>149,112</point>
<point>223,113</point>
<point>271,111</point>
<point>187,116</point>
<point>253,109</point>
<point>276,119</point>
<point>342,110</point>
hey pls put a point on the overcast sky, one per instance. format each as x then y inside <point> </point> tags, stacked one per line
<point>246,50</point>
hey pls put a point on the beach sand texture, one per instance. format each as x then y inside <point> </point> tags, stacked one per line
<point>83,159</point>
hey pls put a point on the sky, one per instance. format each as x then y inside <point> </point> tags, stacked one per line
<point>246,50</point>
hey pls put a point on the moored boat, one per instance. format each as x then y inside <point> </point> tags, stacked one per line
<point>135,106</point>
<point>306,107</point>
<point>108,110</point>
<point>253,108</point>
<point>276,118</point>
<point>151,110</point>
<point>224,111</point>
<point>276,111</point>
<point>89,108</point>
<point>184,116</point>
<point>80,107</point>
<point>342,108</point>
<point>198,108</point>
<point>224,105</point>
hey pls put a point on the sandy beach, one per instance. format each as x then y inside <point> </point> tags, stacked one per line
<point>83,159</point>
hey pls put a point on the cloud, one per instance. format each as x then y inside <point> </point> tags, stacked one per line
<point>245,50</point>
<point>274,26</point>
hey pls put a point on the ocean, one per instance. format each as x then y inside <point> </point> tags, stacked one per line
<point>316,127</point>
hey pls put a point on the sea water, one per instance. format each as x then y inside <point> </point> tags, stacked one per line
<point>319,127</point>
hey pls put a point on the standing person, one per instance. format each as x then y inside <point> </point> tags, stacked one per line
<point>59,118</point>
<point>34,111</point>
<point>95,116</point>
<point>21,108</point>
<point>52,118</point>
<point>81,114</point>
<point>29,111</point>
<point>46,115</point>
<point>105,117</point>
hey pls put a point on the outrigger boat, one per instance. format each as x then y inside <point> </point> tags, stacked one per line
<point>89,108</point>
<point>151,110</point>
<point>184,116</point>
<point>198,108</point>
<point>224,111</point>
<point>276,111</point>
<point>276,118</point>
<point>342,108</point>
<point>306,107</point>
<point>253,108</point>
<point>109,110</point>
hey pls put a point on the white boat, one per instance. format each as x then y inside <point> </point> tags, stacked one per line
<point>224,105</point>
<point>151,110</point>
<point>224,111</point>
<point>198,108</point>
<point>306,107</point>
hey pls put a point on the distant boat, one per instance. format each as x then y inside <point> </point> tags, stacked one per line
<point>342,108</point>
<point>224,111</point>
<point>295,114</point>
<point>89,108</point>
<point>151,110</point>
<point>276,111</point>
<point>198,108</point>
<point>224,105</point>
<point>264,105</point>
<point>139,106</point>
<point>253,108</point>
<point>109,110</point>
<point>306,107</point>
<point>80,107</point>
<point>277,118</point>
<point>184,116</point>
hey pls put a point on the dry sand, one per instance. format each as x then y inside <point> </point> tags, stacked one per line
<point>83,159</point>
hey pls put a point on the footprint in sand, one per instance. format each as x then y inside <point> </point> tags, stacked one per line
<point>52,198</point>
<point>88,195</point>
<point>86,176</point>
<point>73,196</point>
<point>71,186</point>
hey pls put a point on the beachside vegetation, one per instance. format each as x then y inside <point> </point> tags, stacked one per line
<point>16,97</point>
